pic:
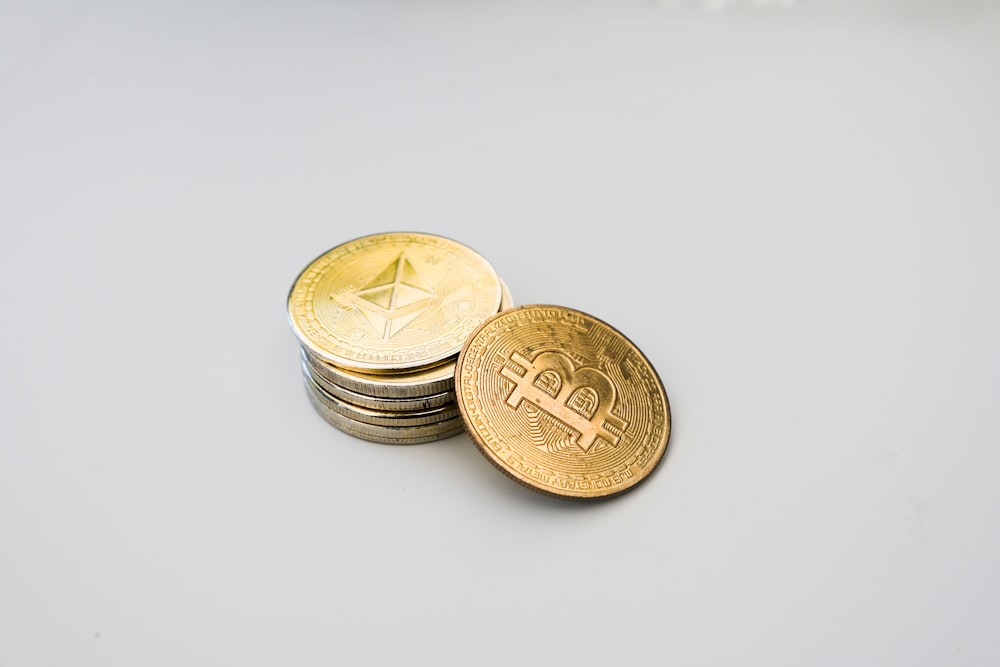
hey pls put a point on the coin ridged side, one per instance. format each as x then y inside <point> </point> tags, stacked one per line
<point>405,419</point>
<point>404,385</point>
<point>375,402</point>
<point>391,302</point>
<point>385,434</point>
<point>562,402</point>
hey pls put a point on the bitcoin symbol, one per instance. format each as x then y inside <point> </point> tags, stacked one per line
<point>581,398</point>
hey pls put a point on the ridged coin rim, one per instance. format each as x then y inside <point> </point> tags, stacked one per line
<point>408,419</point>
<point>384,434</point>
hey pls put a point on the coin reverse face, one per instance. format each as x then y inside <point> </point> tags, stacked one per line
<point>411,384</point>
<point>392,302</point>
<point>562,402</point>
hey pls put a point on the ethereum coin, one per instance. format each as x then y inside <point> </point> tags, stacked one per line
<point>411,435</point>
<point>562,402</point>
<point>383,417</point>
<point>392,302</point>
<point>376,402</point>
<point>409,385</point>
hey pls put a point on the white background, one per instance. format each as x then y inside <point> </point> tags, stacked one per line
<point>793,209</point>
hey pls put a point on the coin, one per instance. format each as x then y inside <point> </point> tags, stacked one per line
<point>378,402</point>
<point>411,435</point>
<point>392,302</point>
<point>562,402</point>
<point>409,385</point>
<point>400,419</point>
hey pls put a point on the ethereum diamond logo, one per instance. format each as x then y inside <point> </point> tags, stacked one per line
<point>394,298</point>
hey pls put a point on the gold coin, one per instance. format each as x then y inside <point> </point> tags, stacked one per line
<point>409,385</point>
<point>392,302</point>
<point>562,402</point>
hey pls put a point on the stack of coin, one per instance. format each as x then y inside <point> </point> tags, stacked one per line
<point>381,320</point>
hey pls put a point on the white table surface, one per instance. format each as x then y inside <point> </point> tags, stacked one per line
<point>792,208</point>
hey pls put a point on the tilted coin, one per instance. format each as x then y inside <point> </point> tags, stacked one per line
<point>392,302</point>
<point>562,402</point>
<point>410,435</point>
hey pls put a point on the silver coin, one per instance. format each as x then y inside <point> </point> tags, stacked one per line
<point>378,402</point>
<point>386,434</point>
<point>406,419</point>
<point>408,385</point>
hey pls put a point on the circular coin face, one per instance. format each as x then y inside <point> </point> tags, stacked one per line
<point>392,302</point>
<point>562,402</point>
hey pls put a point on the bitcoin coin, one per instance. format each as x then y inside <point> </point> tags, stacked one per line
<point>562,402</point>
<point>392,302</point>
